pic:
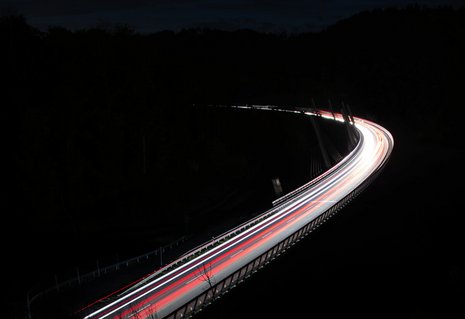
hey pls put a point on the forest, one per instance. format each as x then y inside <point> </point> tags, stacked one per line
<point>115,148</point>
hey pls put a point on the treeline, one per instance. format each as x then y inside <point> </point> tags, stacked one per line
<point>385,62</point>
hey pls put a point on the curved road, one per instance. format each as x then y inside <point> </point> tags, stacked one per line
<point>162,294</point>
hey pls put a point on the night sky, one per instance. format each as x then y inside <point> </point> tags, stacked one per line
<point>147,16</point>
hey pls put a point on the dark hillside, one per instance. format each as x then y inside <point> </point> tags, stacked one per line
<point>101,125</point>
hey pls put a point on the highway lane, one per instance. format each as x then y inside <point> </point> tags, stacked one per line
<point>164,294</point>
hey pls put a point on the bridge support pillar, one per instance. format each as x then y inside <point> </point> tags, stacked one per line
<point>331,109</point>
<point>278,189</point>
<point>351,115</point>
<point>323,151</point>
<point>349,126</point>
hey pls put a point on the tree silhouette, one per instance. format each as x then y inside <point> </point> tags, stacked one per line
<point>206,275</point>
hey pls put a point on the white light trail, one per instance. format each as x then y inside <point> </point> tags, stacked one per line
<point>304,205</point>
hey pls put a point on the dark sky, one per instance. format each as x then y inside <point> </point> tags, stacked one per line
<point>155,15</point>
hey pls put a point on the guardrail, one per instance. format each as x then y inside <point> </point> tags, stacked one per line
<point>225,285</point>
<point>216,291</point>
<point>58,286</point>
<point>217,240</point>
<point>204,247</point>
<point>238,276</point>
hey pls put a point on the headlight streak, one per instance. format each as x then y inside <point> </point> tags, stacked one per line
<point>352,161</point>
<point>258,228</point>
<point>296,197</point>
<point>374,148</point>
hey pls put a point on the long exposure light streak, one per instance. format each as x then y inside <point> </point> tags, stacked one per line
<point>163,294</point>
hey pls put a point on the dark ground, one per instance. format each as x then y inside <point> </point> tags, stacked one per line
<point>80,104</point>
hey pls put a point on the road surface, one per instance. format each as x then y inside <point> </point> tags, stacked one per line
<point>158,295</point>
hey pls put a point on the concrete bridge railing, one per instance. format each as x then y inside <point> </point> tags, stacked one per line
<point>222,287</point>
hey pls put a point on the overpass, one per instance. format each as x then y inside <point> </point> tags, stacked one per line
<point>198,277</point>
